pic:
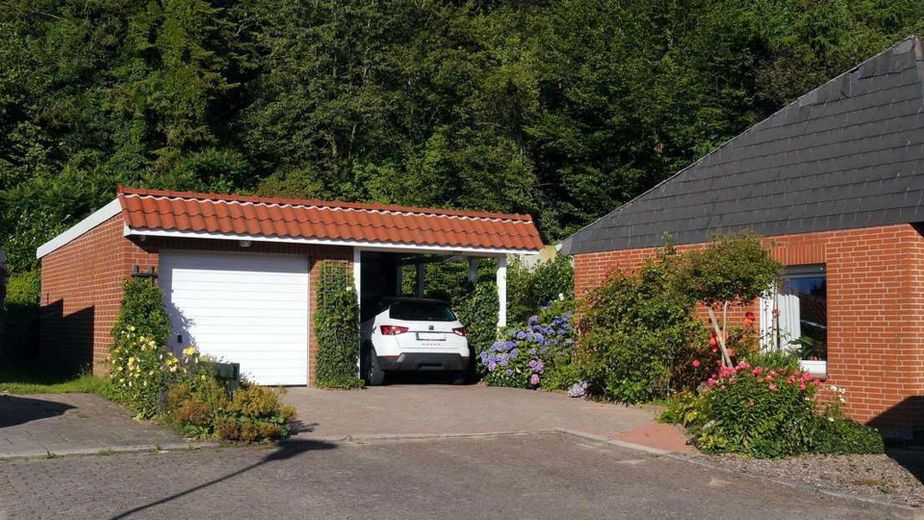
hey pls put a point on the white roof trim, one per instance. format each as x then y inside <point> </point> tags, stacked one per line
<point>96,218</point>
<point>370,246</point>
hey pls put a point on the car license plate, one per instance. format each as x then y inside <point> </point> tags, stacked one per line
<point>431,336</point>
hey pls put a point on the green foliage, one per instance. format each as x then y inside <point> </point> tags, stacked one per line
<point>141,370</point>
<point>202,407</point>
<point>143,309</point>
<point>763,415</point>
<point>529,289</point>
<point>478,312</point>
<point>489,106</point>
<point>24,288</point>
<point>336,322</point>
<point>19,329</point>
<point>682,408</point>
<point>521,357</point>
<point>732,268</point>
<point>25,379</point>
<point>561,375</point>
<point>766,412</point>
<point>774,359</point>
<point>841,436</point>
<point>635,330</point>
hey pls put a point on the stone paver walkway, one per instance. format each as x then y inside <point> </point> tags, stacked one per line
<point>444,410</point>
<point>65,424</point>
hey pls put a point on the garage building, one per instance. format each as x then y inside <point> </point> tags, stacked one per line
<point>237,272</point>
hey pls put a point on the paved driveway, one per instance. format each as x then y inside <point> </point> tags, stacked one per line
<point>406,410</point>
<point>63,424</point>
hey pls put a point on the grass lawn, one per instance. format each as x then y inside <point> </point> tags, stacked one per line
<point>29,380</point>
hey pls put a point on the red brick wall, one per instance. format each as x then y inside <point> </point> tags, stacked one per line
<point>82,287</point>
<point>81,294</point>
<point>875,312</point>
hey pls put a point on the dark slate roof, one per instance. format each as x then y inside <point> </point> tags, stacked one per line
<point>848,154</point>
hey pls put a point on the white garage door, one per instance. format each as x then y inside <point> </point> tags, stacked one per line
<point>244,308</point>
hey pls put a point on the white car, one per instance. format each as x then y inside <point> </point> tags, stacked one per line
<point>405,334</point>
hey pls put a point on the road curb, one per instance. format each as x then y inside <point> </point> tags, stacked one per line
<point>614,442</point>
<point>107,450</point>
<point>398,437</point>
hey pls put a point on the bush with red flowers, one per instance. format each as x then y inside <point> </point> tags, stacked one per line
<point>765,412</point>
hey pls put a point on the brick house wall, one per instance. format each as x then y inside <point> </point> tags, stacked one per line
<point>875,289</point>
<point>82,288</point>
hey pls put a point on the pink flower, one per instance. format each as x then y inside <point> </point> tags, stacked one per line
<point>772,387</point>
<point>802,386</point>
<point>710,382</point>
<point>757,371</point>
<point>696,363</point>
<point>534,379</point>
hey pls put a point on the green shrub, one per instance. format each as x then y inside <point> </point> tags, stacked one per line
<point>24,288</point>
<point>20,329</point>
<point>141,371</point>
<point>732,269</point>
<point>336,322</point>
<point>757,411</point>
<point>682,408</point>
<point>774,359</point>
<point>561,375</point>
<point>143,308</point>
<point>520,358</point>
<point>203,407</point>
<point>637,332</point>
<point>529,289</point>
<point>841,436</point>
<point>478,312</point>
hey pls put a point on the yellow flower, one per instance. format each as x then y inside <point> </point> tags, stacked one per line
<point>189,351</point>
<point>130,328</point>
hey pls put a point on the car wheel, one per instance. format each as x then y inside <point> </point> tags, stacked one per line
<point>372,375</point>
<point>458,378</point>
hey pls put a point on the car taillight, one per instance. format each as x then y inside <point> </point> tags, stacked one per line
<point>460,331</point>
<point>392,330</point>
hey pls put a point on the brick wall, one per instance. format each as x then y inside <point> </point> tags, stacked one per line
<point>81,294</point>
<point>82,287</point>
<point>875,312</point>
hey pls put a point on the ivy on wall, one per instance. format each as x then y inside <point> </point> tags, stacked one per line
<point>336,326</point>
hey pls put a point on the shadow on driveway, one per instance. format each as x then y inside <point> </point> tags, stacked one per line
<point>284,450</point>
<point>18,410</point>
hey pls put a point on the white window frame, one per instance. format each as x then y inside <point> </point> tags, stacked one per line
<point>772,301</point>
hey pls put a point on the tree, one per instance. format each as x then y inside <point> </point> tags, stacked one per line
<point>732,269</point>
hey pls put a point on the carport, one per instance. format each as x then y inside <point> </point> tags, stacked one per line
<point>239,273</point>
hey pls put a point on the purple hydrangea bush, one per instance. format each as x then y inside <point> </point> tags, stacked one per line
<point>520,358</point>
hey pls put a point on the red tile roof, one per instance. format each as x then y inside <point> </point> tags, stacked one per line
<point>325,220</point>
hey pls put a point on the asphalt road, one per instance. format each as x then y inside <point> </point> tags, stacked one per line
<point>530,476</point>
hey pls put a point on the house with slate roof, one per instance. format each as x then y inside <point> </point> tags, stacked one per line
<point>835,182</point>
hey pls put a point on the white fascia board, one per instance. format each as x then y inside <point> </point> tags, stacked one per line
<point>96,218</point>
<point>365,246</point>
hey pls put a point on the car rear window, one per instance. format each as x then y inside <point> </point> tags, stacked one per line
<point>421,311</point>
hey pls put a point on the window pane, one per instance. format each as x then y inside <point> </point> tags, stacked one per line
<point>421,311</point>
<point>802,304</point>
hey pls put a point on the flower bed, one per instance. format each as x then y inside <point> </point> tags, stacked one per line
<point>185,393</point>
<point>767,412</point>
<point>528,356</point>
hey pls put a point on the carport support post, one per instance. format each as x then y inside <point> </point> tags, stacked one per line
<point>472,269</point>
<point>421,274</point>
<point>502,291</point>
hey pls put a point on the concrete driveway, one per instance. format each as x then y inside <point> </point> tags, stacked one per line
<point>433,410</point>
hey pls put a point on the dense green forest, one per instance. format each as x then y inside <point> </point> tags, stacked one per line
<point>561,109</point>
